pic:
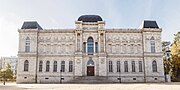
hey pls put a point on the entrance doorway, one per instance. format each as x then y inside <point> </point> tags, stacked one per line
<point>90,70</point>
<point>90,67</point>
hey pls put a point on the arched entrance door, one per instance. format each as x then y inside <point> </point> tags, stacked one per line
<point>90,68</point>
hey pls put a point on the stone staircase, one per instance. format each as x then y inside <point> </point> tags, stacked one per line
<point>91,79</point>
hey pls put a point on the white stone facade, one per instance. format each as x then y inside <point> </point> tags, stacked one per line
<point>68,45</point>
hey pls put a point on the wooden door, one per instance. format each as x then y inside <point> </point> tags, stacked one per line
<point>90,71</point>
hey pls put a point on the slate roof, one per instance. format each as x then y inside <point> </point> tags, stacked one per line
<point>150,24</point>
<point>90,18</point>
<point>31,25</point>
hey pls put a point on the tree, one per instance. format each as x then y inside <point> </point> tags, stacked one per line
<point>6,73</point>
<point>175,54</point>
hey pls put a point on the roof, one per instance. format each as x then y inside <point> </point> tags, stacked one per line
<point>150,24</point>
<point>31,25</point>
<point>90,18</point>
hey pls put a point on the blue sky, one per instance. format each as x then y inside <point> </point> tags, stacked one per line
<point>52,14</point>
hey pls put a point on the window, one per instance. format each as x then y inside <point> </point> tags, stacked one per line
<point>26,65</point>
<point>27,45</point>
<point>90,62</point>
<point>70,66</point>
<point>40,66</point>
<point>96,47</point>
<point>131,48</point>
<point>47,66</point>
<point>110,66</point>
<point>118,66</point>
<point>134,78</point>
<point>125,66</point>
<point>133,66</point>
<point>154,66</point>
<point>90,45</point>
<point>55,66</point>
<point>78,41</point>
<point>63,66</point>
<point>140,66</point>
<point>152,43</point>
<point>84,46</point>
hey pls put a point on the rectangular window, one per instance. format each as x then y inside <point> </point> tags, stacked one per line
<point>118,66</point>
<point>84,46</point>
<point>110,66</point>
<point>133,66</point>
<point>27,49</point>
<point>125,66</point>
<point>55,66</point>
<point>140,66</point>
<point>70,66</point>
<point>96,47</point>
<point>153,46</point>
<point>40,66</point>
<point>63,66</point>
<point>27,45</point>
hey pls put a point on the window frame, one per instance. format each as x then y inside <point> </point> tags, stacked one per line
<point>47,66</point>
<point>70,66</point>
<point>125,66</point>
<point>90,45</point>
<point>63,66</point>
<point>55,66</point>
<point>26,65</point>
<point>152,44</point>
<point>133,66</point>
<point>118,66</point>
<point>40,66</point>
<point>27,44</point>
<point>154,66</point>
<point>110,66</point>
<point>140,66</point>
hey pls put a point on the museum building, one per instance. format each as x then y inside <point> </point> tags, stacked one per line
<point>90,53</point>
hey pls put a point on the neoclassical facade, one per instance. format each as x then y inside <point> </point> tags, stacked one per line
<point>90,53</point>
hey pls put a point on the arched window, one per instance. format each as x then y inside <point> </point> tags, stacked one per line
<point>133,66</point>
<point>125,66</point>
<point>55,66</point>
<point>26,65</point>
<point>110,66</point>
<point>90,62</point>
<point>40,66</point>
<point>154,66</point>
<point>47,66</point>
<point>70,66</point>
<point>90,45</point>
<point>63,66</point>
<point>152,43</point>
<point>27,45</point>
<point>118,66</point>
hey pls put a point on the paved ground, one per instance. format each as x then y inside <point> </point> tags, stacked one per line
<point>124,86</point>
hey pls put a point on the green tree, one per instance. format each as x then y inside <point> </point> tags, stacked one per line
<point>6,73</point>
<point>175,54</point>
